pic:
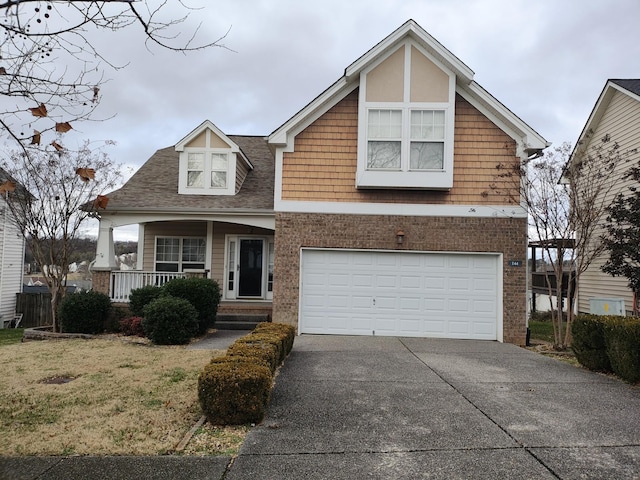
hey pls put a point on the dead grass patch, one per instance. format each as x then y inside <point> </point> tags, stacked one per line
<point>123,399</point>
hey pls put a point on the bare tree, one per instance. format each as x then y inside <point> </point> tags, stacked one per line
<point>566,194</point>
<point>44,194</point>
<point>50,70</point>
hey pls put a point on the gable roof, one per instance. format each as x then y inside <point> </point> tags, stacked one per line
<point>630,87</point>
<point>154,187</point>
<point>530,140</point>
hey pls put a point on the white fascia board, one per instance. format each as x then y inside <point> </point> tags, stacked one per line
<point>411,28</point>
<point>267,220</point>
<point>284,135</point>
<point>414,210</point>
<point>598,111</point>
<point>504,118</point>
<point>208,124</point>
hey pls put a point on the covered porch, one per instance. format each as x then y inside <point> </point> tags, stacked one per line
<point>235,250</point>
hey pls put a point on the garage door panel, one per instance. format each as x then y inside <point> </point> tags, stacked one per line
<point>399,293</point>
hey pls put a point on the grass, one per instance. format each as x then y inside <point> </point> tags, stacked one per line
<point>104,397</point>
<point>9,336</point>
<point>541,330</point>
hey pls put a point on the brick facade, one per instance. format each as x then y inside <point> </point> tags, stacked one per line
<point>497,235</point>
<point>100,281</point>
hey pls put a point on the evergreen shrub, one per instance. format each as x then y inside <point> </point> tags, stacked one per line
<point>84,312</point>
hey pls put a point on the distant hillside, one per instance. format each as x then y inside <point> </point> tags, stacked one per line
<point>84,250</point>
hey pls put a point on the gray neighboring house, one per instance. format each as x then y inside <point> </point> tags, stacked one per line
<point>12,245</point>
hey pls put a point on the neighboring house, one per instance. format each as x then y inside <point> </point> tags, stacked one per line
<point>369,212</point>
<point>616,114</point>
<point>12,246</point>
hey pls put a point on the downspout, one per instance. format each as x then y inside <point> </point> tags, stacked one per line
<point>4,246</point>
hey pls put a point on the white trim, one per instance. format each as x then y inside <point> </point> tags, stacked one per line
<point>233,295</point>
<point>180,261</point>
<point>121,219</point>
<point>418,210</point>
<point>499,276</point>
<point>209,249</point>
<point>597,113</point>
<point>504,118</point>
<point>429,43</point>
<point>140,256</point>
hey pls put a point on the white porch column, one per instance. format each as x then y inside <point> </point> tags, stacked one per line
<point>209,249</point>
<point>105,250</point>
<point>140,263</point>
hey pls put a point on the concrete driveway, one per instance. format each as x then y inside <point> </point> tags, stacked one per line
<point>376,407</point>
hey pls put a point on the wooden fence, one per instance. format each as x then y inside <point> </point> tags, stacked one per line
<point>35,309</point>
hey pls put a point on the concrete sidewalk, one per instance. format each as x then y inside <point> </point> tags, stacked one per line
<point>404,408</point>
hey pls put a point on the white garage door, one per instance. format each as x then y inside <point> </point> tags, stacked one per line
<point>399,294</point>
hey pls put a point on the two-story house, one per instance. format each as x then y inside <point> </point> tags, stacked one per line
<point>369,212</point>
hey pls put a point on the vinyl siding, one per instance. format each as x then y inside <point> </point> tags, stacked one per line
<point>621,121</point>
<point>11,264</point>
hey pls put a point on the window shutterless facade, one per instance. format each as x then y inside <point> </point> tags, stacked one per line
<point>175,254</point>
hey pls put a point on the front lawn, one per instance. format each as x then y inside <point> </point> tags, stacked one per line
<point>104,397</point>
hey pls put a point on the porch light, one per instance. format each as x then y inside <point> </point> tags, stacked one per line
<point>399,237</point>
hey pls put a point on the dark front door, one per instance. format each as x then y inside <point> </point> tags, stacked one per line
<point>250,274</point>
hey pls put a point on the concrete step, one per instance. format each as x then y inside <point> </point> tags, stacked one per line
<point>242,321</point>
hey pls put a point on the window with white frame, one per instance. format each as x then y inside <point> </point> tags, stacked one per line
<point>207,170</point>
<point>405,138</point>
<point>422,134</point>
<point>175,254</point>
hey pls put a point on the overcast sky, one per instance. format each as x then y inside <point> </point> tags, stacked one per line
<point>546,60</point>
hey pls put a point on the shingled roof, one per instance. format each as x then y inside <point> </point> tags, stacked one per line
<point>633,85</point>
<point>154,187</point>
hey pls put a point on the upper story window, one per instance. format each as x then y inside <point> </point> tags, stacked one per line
<point>210,163</point>
<point>421,137</point>
<point>406,123</point>
<point>207,170</point>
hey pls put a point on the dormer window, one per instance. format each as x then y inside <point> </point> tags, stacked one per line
<point>210,163</point>
<point>207,166</point>
<point>406,122</point>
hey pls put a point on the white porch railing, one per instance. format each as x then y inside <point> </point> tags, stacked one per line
<point>122,282</point>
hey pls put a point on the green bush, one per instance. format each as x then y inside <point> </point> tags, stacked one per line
<point>202,293</point>
<point>264,351</point>
<point>234,393</point>
<point>288,332</point>
<point>141,297</point>
<point>170,321</point>
<point>622,338</point>
<point>588,342</point>
<point>84,312</point>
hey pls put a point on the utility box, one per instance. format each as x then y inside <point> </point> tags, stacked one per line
<point>607,306</point>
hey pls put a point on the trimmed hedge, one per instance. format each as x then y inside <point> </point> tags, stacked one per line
<point>170,321</point>
<point>622,338</point>
<point>235,389</point>
<point>588,342</point>
<point>202,293</point>
<point>132,326</point>
<point>264,351</point>
<point>234,392</point>
<point>84,312</point>
<point>287,331</point>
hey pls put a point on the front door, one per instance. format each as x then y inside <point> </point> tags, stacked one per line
<point>250,265</point>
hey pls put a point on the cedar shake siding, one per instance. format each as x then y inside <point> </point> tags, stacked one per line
<point>323,166</point>
<point>507,236</point>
